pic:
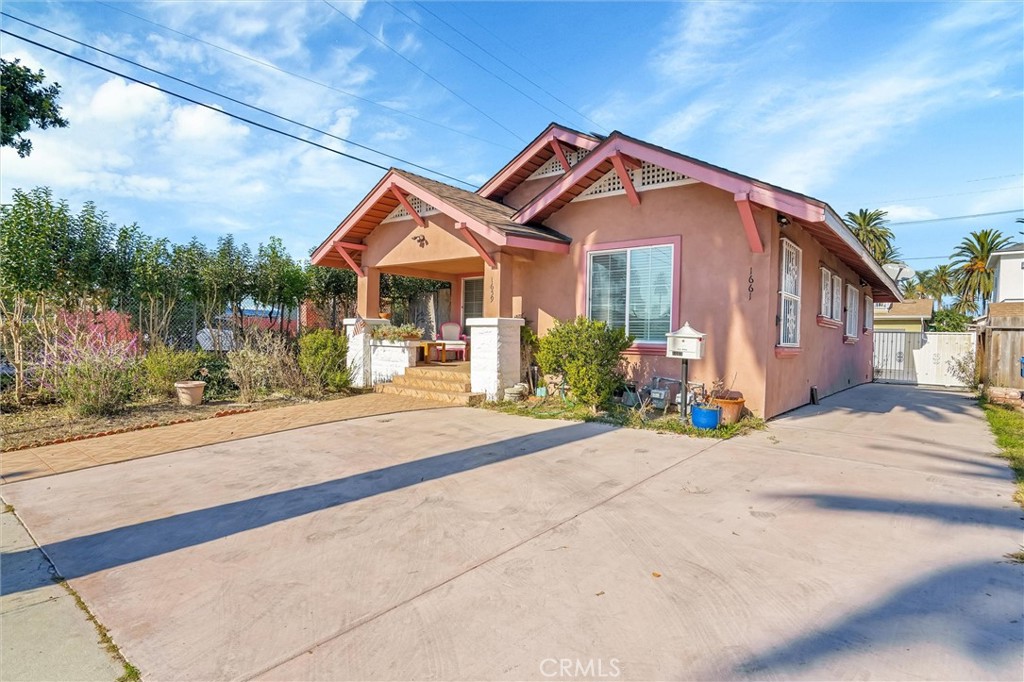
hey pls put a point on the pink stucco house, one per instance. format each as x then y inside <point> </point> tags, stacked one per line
<point>639,236</point>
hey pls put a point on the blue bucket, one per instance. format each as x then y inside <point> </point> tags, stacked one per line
<point>705,417</point>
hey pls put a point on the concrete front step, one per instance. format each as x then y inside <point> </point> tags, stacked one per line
<point>437,395</point>
<point>457,384</point>
<point>458,372</point>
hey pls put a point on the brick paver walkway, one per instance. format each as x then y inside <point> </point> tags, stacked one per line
<point>55,459</point>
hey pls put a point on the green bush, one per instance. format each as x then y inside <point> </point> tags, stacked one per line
<point>323,359</point>
<point>213,369</point>
<point>92,376</point>
<point>588,355</point>
<point>162,367</point>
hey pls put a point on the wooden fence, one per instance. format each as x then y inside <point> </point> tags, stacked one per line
<point>1001,346</point>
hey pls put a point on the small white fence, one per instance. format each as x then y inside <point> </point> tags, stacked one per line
<point>920,357</point>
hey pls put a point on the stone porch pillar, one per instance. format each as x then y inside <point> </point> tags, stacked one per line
<point>368,294</point>
<point>359,365</point>
<point>495,357</point>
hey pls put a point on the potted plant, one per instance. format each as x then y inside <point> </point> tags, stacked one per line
<point>705,413</point>
<point>730,401</point>
<point>405,332</point>
<point>190,393</point>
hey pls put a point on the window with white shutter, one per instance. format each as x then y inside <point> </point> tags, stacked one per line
<point>789,294</point>
<point>826,293</point>
<point>852,312</point>
<point>632,289</point>
<point>869,313</point>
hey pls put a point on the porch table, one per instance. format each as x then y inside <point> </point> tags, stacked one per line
<point>429,346</point>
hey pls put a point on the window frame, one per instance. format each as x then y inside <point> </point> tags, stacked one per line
<point>837,305</point>
<point>784,295</point>
<point>869,313</point>
<point>852,327</point>
<point>675,244</point>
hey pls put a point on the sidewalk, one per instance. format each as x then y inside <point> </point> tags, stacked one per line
<point>54,459</point>
<point>45,635</point>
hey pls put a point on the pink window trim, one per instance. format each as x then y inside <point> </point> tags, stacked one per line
<point>461,278</point>
<point>784,352</point>
<point>583,288</point>
<point>849,340</point>
<point>646,348</point>
<point>828,322</point>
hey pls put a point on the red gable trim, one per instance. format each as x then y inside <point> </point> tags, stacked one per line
<point>553,134</point>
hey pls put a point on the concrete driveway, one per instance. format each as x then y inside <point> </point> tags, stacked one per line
<point>863,538</point>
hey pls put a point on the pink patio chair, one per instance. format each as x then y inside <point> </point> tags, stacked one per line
<point>454,340</point>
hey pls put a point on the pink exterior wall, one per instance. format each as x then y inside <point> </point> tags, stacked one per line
<point>715,264</point>
<point>526,191</point>
<point>824,360</point>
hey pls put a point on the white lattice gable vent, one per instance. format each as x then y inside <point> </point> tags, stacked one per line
<point>648,176</point>
<point>553,166</point>
<point>420,206</point>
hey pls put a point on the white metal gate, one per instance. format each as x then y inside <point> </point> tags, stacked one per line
<point>920,357</point>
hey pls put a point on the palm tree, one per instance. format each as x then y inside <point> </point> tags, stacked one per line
<point>871,229</point>
<point>917,286</point>
<point>943,282</point>
<point>964,305</point>
<point>970,262</point>
<point>889,255</point>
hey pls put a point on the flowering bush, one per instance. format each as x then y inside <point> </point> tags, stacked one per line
<point>91,375</point>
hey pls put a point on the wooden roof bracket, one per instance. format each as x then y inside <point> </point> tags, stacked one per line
<point>620,162</point>
<point>475,243</point>
<point>397,193</point>
<point>340,248</point>
<point>746,210</point>
<point>556,146</point>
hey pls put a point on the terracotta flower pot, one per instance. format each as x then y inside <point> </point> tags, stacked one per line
<point>190,393</point>
<point>732,409</point>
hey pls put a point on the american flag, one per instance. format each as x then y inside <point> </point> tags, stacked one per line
<point>360,326</point>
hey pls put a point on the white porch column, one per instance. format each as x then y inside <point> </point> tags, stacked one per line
<point>494,354</point>
<point>359,365</point>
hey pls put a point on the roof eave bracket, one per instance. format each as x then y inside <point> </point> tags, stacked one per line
<point>475,243</point>
<point>397,193</point>
<point>749,224</point>
<point>340,248</point>
<point>620,162</point>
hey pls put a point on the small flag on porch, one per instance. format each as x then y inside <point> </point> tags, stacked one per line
<point>360,326</point>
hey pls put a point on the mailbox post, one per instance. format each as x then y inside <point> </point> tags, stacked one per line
<point>686,343</point>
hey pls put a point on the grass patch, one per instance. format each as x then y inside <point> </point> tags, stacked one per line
<point>1016,557</point>
<point>131,673</point>
<point>1007,424</point>
<point>634,418</point>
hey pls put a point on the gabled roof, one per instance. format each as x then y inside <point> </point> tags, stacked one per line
<point>913,309</point>
<point>489,219</point>
<point>1005,251</point>
<point>815,216</point>
<point>536,154</point>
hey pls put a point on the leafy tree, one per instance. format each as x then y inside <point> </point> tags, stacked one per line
<point>232,265</point>
<point>332,289</point>
<point>32,226</point>
<point>26,101</point>
<point>870,227</point>
<point>974,279</point>
<point>279,281</point>
<point>949,320</point>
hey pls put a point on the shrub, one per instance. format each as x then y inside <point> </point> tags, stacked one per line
<point>92,376</point>
<point>588,355</point>
<point>163,366</point>
<point>263,362</point>
<point>213,369</point>
<point>964,369</point>
<point>389,332</point>
<point>323,359</point>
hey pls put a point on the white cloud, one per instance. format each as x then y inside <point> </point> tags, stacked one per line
<point>194,124</point>
<point>708,34</point>
<point>900,213</point>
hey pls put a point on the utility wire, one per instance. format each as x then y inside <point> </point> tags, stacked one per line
<point>958,217</point>
<point>941,196</point>
<point>237,101</point>
<point>321,84</point>
<point>471,60</point>
<point>192,101</point>
<point>426,73</point>
<point>503,63</point>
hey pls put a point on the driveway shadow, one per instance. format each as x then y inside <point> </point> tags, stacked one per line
<point>955,514</point>
<point>974,607</point>
<point>89,554</point>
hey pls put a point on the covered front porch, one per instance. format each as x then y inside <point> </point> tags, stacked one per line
<point>416,227</point>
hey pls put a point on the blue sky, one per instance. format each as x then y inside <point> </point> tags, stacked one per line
<point>917,108</point>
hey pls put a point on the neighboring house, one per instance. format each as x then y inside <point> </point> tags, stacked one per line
<point>910,316</point>
<point>643,238</point>
<point>1008,277</point>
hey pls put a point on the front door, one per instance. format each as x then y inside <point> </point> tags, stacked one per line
<point>472,299</point>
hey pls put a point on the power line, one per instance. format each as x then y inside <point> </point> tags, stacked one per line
<point>196,102</point>
<point>313,81</point>
<point>426,73</point>
<point>471,60</point>
<point>237,101</point>
<point>508,66</point>
<point>958,217</point>
<point>942,196</point>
